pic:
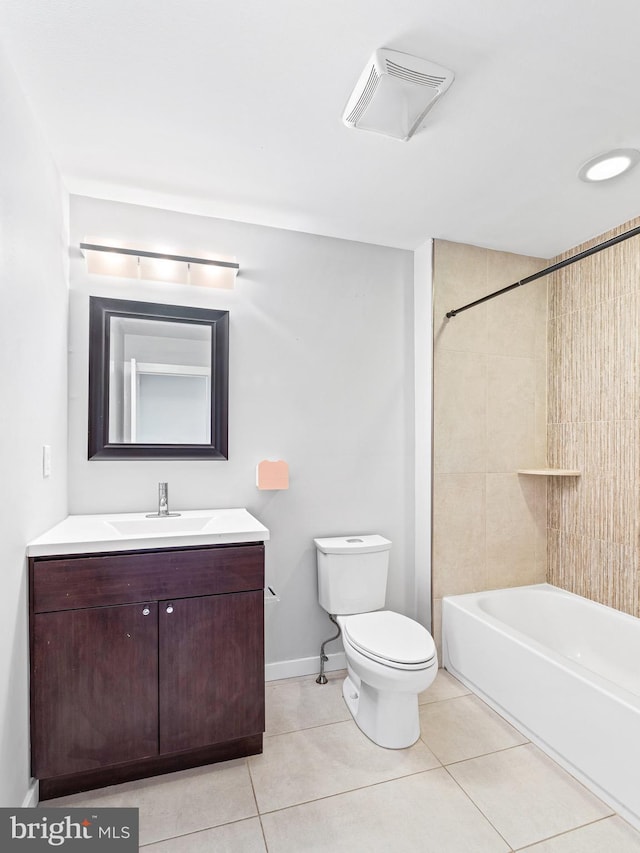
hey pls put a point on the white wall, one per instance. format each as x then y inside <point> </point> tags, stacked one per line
<point>321,375</point>
<point>33,354</point>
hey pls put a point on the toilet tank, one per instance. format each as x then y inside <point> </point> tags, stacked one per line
<point>352,573</point>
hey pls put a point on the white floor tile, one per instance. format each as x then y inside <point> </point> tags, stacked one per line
<point>300,703</point>
<point>445,686</point>
<point>424,813</point>
<point>319,762</point>
<point>464,727</point>
<point>526,795</point>
<point>178,803</point>
<point>245,836</point>
<point>611,835</point>
<point>322,785</point>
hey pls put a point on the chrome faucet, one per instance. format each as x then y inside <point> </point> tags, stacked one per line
<point>163,498</point>
<point>163,503</point>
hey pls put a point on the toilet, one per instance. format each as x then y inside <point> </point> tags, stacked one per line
<point>390,658</point>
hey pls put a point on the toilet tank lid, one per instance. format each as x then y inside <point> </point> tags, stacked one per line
<point>351,544</point>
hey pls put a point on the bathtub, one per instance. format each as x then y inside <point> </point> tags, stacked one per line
<point>563,670</point>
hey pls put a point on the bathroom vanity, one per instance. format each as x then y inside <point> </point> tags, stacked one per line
<point>147,650</point>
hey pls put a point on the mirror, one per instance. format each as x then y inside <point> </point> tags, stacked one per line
<point>158,381</point>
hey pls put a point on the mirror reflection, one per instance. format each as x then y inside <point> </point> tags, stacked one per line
<point>159,382</point>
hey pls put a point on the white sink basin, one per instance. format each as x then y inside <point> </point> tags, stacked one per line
<point>85,534</point>
<point>177,524</point>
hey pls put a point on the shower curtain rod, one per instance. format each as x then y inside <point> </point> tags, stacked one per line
<point>536,275</point>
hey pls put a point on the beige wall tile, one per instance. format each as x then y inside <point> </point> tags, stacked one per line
<point>514,320</point>
<point>510,414</point>
<point>553,556</point>
<point>566,445</point>
<point>436,627</point>
<point>611,448</point>
<point>556,358</point>
<point>593,406</point>
<point>540,486</point>
<point>461,278</point>
<point>542,294</point>
<point>490,417</point>
<point>458,534</point>
<point>540,417</point>
<point>555,293</point>
<point>460,412</point>
<point>511,530</point>
<point>467,332</point>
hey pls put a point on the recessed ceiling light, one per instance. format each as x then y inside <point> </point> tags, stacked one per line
<point>609,165</point>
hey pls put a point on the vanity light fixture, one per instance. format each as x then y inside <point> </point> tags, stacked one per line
<point>144,265</point>
<point>609,165</point>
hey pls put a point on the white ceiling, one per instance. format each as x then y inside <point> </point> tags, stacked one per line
<point>233,109</point>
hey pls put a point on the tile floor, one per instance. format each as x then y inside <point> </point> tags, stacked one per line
<point>471,783</point>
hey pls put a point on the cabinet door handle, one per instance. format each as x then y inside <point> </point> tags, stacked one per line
<point>145,611</point>
<point>169,608</point>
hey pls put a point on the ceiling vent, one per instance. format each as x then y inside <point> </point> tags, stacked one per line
<point>395,92</point>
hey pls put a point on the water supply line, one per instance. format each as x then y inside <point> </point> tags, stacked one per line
<point>548,270</point>
<point>322,678</point>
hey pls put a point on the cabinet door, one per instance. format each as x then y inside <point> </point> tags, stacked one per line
<point>211,669</point>
<point>94,688</point>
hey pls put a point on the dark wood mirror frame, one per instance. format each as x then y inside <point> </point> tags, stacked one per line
<point>100,313</point>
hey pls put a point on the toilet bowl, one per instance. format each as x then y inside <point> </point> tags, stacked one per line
<point>390,660</point>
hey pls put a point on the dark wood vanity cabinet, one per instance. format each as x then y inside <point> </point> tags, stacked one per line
<point>94,677</point>
<point>228,703</point>
<point>144,662</point>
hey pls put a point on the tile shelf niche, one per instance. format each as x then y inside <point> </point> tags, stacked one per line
<point>550,472</point>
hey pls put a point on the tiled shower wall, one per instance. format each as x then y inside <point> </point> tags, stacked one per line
<point>594,424</point>
<point>489,526</point>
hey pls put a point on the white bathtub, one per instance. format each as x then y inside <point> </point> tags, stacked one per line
<point>565,671</point>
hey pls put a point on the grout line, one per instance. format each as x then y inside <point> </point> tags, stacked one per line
<point>255,799</point>
<point>197,831</point>
<point>482,754</point>
<point>477,807</point>
<point>542,752</point>
<point>306,728</point>
<point>449,699</point>
<point>398,778</point>
<point>567,831</point>
<point>352,790</point>
<point>310,728</point>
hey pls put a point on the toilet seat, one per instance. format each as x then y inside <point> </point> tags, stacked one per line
<point>390,639</point>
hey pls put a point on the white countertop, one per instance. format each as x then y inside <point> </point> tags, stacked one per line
<point>133,531</point>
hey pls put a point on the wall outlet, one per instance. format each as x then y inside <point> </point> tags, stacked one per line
<point>46,460</point>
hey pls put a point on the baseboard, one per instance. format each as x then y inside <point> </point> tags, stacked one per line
<point>32,797</point>
<point>303,666</point>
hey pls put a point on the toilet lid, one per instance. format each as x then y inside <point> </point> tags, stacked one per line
<point>390,636</point>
